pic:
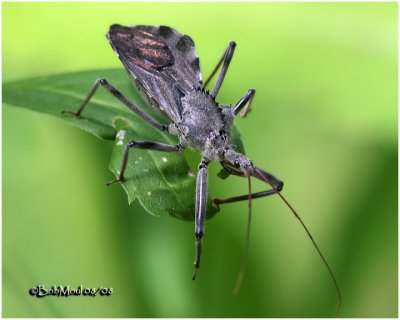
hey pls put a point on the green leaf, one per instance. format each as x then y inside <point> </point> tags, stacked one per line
<point>162,182</point>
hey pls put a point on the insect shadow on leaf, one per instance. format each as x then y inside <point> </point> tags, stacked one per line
<point>165,68</point>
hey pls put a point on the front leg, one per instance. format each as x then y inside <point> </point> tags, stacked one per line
<point>244,103</point>
<point>200,211</point>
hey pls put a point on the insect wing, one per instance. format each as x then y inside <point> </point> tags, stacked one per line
<point>162,62</point>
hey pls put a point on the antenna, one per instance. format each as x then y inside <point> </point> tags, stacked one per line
<point>312,240</point>
<point>245,252</point>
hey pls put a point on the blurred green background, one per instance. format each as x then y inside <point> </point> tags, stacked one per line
<point>324,120</point>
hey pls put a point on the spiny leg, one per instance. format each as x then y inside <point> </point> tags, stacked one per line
<point>244,103</point>
<point>104,83</point>
<point>143,145</point>
<point>225,61</point>
<point>200,211</point>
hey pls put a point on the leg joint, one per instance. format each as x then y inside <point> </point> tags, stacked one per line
<point>198,234</point>
<point>132,144</point>
<point>203,164</point>
<point>279,186</point>
<point>142,144</point>
<point>232,44</point>
<point>102,81</point>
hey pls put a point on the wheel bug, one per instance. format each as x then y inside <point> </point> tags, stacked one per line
<point>165,68</point>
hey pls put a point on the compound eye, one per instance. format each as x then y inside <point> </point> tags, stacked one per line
<point>236,163</point>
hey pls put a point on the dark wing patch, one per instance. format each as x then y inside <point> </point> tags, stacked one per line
<point>166,32</point>
<point>184,44</point>
<point>195,64</point>
<point>142,48</point>
<point>161,60</point>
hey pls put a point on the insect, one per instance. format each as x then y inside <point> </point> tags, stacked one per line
<point>165,68</point>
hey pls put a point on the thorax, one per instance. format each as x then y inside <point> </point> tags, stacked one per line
<point>205,125</point>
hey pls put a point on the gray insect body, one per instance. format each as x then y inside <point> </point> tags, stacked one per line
<point>205,125</point>
<point>166,70</point>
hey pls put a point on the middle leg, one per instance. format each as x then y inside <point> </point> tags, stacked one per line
<point>244,103</point>
<point>143,145</point>
<point>200,211</point>
<point>224,61</point>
